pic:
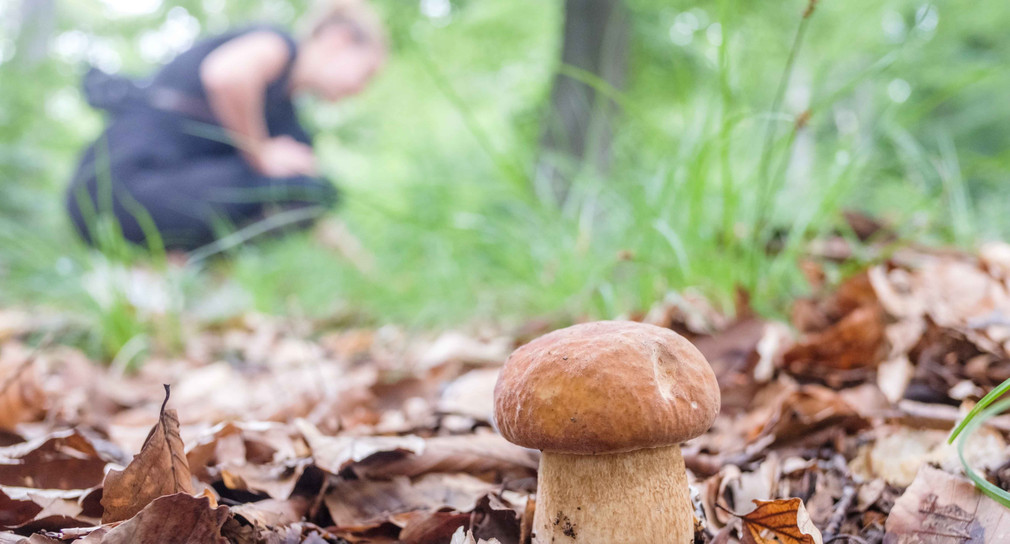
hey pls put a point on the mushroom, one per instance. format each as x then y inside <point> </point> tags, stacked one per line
<point>609,404</point>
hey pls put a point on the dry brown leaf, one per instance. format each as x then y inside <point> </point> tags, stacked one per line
<point>15,511</point>
<point>224,445</point>
<point>897,453</point>
<point>334,453</point>
<point>425,527</point>
<point>996,258</point>
<point>732,490</point>
<point>159,469</point>
<point>271,512</point>
<point>466,537</point>
<point>787,519</point>
<point>359,505</point>
<point>455,346</point>
<point>261,521</point>
<point>471,394</point>
<point>496,516</point>
<point>806,410</point>
<point>733,354</point>
<point>472,454</point>
<point>940,507</point>
<point>30,510</point>
<point>893,377</point>
<point>21,396</point>
<point>179,518</point>
<point>856,341</point>
<point>62,460</point>
<point>276,480</point>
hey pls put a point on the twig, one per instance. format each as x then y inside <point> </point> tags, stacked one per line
<point>840,511</point>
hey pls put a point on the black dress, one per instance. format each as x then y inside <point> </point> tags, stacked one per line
<point>169,166</point>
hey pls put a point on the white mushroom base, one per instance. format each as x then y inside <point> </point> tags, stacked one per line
<point>636,497</point>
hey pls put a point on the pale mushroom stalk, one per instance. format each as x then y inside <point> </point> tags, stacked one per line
<point>608,404</point>
<point>637,496</point>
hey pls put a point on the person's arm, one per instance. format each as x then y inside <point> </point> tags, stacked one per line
<point>235,77</point>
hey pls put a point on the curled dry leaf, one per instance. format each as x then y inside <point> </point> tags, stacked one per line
<point>21,396</point>
<point>466,537</point>
<point>334,453</point>
<point>940,507</point>
<point>360,505</point>
<point>786,519</point>
<point>30,509</point>
<point>263,521</point>
<point>159,469</point>
<point>472,454</point>
<point>805,410</point>
<point>179,518</point>
<point>854,342</point>
<point>425,527</point>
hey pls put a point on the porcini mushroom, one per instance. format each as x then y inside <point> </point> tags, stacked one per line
<point>609,404</point>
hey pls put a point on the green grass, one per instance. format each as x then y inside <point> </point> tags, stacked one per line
<point>437,162</point>
<point>986,409</point>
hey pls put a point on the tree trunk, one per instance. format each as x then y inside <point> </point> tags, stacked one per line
<point>38,21</point>
<point>577,132</point>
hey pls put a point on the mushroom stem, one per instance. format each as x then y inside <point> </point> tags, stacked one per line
<point>634,497</point>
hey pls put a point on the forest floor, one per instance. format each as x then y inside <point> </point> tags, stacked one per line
<point>286,430</point>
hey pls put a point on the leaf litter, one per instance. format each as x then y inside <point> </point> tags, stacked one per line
<point>833,425</point>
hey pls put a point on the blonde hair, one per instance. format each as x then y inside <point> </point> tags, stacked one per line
<point>357,15</point>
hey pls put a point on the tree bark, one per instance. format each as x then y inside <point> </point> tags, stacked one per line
<point>578,127</point>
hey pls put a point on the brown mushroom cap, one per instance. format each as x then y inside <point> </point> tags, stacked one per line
<point>605,387</point>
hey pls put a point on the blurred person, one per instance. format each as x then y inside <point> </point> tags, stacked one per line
<point>212,141</point>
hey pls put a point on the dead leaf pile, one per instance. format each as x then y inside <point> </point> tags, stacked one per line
<point>283,430</point>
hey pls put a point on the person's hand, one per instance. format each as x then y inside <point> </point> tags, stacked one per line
<point>283,157</point>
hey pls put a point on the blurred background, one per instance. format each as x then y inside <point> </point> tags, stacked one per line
<point>533,159</point>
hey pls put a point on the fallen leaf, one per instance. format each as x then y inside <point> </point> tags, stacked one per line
<point>854,342</point>
<point>466,537</point>
<point>940,507</point>
<point>62,460</point>
<point>21,396</point>
<point>159,469</point>
<point>495,516</point>
<point>359,505</point>
<point>257,522</point>
<point>472,454</point>
<point>897,453</point>
<point>271,512</point>
<point>425,527</point>
<point>787,519</point>
<point>471,394</point>
<point>31,510</point>
<point>733,490</point>
<point>179,519</point>
<point>334,453</point>
<point>893,377</point>
<point>456,346</point>
<point>810,408</point>
<point>996,258</point>
<point>276,480</point>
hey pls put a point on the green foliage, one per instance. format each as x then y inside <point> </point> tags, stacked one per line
<point>978,416</point>
<point>724,148</point>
